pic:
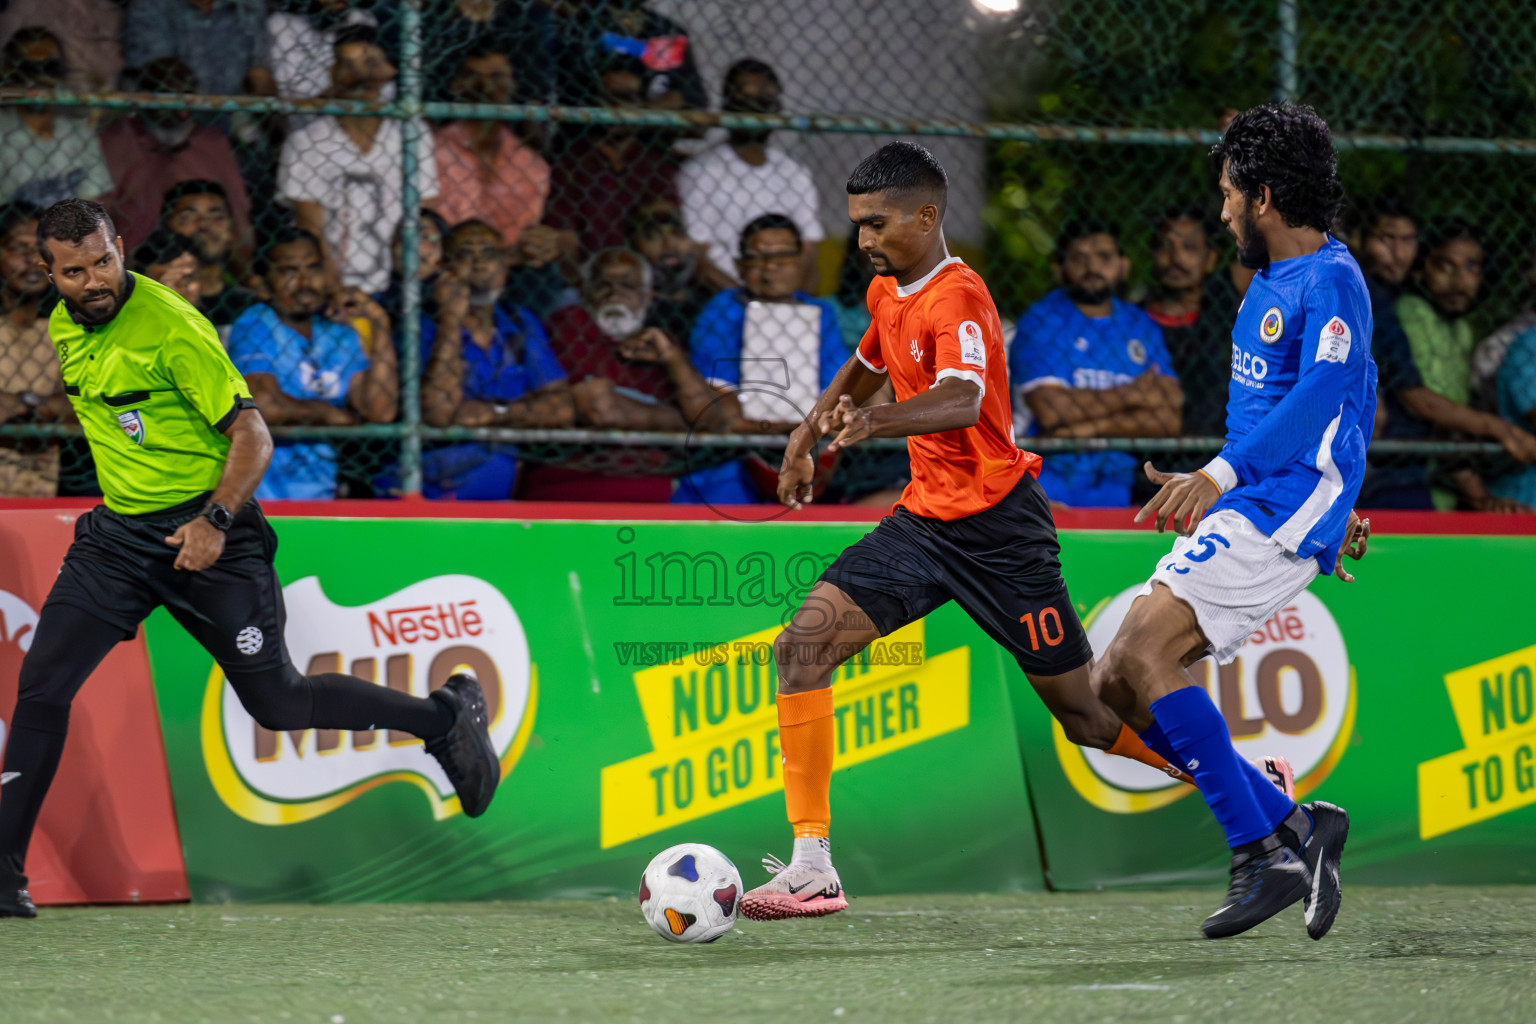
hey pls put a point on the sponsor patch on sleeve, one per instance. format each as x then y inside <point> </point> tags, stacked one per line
<point>1333,342</point>
<point>972,349</point>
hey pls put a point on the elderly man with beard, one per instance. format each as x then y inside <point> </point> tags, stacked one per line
<point>1446,287</point>
<point>488,364</point>
<point>305,366</point>
<point>1086,364</point>
<point>627,373</point>
<point>151,152</point>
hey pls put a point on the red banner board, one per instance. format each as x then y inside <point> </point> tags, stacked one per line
<point>107,833</point>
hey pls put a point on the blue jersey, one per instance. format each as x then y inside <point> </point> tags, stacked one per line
<point>319,367</point>
<point>1056,344</point>
<point>1302,402</point>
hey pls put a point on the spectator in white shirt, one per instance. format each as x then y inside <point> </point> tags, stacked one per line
<point>341,175</point>
<point>302,44</point>
<point>731,184</point>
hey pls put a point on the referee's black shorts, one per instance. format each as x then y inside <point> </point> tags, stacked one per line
<point>120,569</point>
<point>1002,566</point>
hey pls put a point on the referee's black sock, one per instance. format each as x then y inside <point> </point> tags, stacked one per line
<point>347,702</point>
<point>32,749</point>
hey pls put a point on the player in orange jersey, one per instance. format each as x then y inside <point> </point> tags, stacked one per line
<point>973,526</point>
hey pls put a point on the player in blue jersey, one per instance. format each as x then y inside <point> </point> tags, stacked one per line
<point>1280,498</point>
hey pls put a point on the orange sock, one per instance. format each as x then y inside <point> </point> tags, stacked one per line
<point>805,737</point>
<point>1128,744</point>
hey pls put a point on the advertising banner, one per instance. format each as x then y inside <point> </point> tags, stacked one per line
<point>107,832</point>
<point>1405,697</point>
<point>630,683</point>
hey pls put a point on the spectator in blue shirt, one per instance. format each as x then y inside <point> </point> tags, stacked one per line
<point>488,364</point>
<point>1086,364</point>
<point>304,367</point>
<point>769,262</point>
<point>1517,404</point>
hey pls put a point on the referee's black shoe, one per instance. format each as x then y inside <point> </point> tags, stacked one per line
<point>465,750</point>
<point>1267,877</point>
<point>15,901</point>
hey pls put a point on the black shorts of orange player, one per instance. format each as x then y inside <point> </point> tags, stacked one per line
<point>1002,566</point>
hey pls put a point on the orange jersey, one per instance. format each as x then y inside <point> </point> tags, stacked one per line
<point>946,326</point>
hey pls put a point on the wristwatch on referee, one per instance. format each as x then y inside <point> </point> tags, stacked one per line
<point>219,516</point>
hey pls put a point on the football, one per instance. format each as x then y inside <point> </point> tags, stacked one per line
<point>689,893</point>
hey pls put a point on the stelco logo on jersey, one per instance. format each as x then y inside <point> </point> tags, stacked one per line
<point>1291,691</point>
<point>411,641</point>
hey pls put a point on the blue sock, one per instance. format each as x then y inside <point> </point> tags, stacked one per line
<point>1157,740</point>
<point>1199,734</point>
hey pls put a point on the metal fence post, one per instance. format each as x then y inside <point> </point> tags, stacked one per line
<point>1285,47</point>
<point>408,108</point>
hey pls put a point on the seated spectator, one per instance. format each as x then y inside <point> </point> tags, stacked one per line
<point>224,43</point>
<point>151,151</point>
<point>304,367</point>
<point>88,31</point>
<point>172,260</point>
<point>301,42</point>
<point>1488,356</point>
<point>733,183</point>
<point>609,172</point>
<point>1195,306</point>
<point>1387,247</point>
<point>430,233</point>
<point>49,154</point>
<point>342,175</point>
<point>488,364</point>
<point>679,295</point>
<point>769,262</point>
<point>486,172</point>
<point>588,40</point>
<point>1446,288</point>
<point>1517,404</point>
<point>30,388</point>
<point>852,295</point>
<point>627,372</point>
<point>451,29</point>
<point>199,210</point>
<point>1086,364</point>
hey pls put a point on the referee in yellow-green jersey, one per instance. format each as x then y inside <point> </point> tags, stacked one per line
<point>179,449</point>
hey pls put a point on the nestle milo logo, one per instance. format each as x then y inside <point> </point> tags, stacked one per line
<point>410,641</point>
<point>1290,691</point>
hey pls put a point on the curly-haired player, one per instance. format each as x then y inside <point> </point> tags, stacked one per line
<point>1300,409</point>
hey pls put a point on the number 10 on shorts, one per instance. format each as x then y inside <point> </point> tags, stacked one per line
<point>1050,620</point>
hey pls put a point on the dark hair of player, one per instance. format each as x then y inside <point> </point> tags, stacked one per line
<point>18,211</point>
<point>355,34</point>
<point>72,221</point>
<point>750,66</point>
<point>902,170</point>
<point>1189,213</point>
<point>285,235</point>
<point>1084,227</point>
<point>161,246</point>
<point>192,187</point>
<point>1289,149</point>
<point>768,222</point>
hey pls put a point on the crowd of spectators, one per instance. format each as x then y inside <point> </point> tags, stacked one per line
<point>613,277</point>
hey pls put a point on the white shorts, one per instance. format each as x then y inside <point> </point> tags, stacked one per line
<point>1234,577</point>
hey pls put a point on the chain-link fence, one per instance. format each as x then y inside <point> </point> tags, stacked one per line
<point>598,249</point>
